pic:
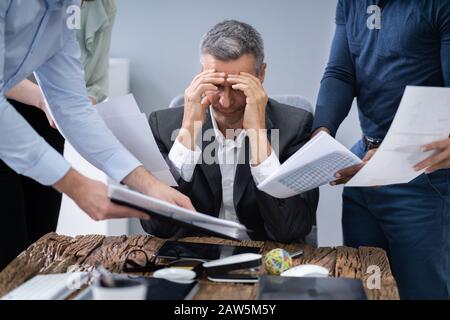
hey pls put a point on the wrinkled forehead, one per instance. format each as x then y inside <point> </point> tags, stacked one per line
<point>245,63</point>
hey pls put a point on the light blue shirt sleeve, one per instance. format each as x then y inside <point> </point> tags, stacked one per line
<point>21,147</point>
<point>62,81</point>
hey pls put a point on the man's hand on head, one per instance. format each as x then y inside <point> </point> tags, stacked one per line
<point>254,121</point>
<point>255,110</point>
<point>195,104</point>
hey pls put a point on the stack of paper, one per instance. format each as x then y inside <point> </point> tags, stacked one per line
<point>314,165</point>
<point>131,128</point>
<point>171,213</point>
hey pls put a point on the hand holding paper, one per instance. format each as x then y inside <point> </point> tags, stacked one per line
<point>314,165</point>
<point>423,117</point>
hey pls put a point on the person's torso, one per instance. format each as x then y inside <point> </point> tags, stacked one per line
<point>393,44</point>
<point>34,32</point>
<point>241,190</point>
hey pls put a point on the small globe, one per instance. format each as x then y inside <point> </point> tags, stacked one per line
<point>277,261</point>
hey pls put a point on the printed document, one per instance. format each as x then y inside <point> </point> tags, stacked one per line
<point>422,117</point>
<point>314,165</point>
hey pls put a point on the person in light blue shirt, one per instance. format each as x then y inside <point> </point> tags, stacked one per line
<point>39,36</point>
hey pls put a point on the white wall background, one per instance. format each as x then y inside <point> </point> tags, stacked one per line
<point>161,39</point>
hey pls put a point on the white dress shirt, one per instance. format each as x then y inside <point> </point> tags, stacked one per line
<point>184,161</point>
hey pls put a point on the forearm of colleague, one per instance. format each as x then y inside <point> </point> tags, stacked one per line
<point>91,197</point>
<point>337,89</point>
<point>29,93</point>
<point>26,92</point>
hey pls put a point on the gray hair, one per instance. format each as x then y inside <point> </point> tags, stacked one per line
<point>231,39</point>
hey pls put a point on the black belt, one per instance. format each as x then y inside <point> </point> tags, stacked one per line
<point>372,143</point>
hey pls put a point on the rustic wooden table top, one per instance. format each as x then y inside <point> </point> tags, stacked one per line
<point>56,253</point>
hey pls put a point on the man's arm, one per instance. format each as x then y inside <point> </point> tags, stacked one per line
<point>441,159</point>
<point>62,81</point>
<point>29,93</point>
<point>22,149</point>
<point>337,88</point>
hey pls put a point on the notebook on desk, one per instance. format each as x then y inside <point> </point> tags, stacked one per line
<point>305,288</point>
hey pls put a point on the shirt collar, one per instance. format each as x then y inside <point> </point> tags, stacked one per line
<point>220,137</point>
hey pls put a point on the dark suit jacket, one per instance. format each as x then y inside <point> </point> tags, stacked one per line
<point>282,220</point>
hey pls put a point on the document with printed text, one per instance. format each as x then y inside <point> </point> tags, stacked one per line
<point>422,117</point>
<point>314,165</point>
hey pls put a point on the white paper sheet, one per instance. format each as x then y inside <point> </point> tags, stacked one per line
<point>118,106</point>
<point>131,128</point>
<point>315,164</point>
<point>422,117</point>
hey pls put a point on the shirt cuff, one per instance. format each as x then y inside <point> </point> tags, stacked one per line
<point>49,169</point>
<point>184,160</point>
<point>262,171</point>
<point>120,165</point>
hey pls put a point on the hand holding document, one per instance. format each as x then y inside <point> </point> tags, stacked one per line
<point>131,128</point>
<point>168,212</point>
<point>314,165</point>
<point>422,117</point>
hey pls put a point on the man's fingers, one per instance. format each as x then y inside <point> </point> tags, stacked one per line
<point>369,155</point>
<point>441,165</point>
<point>116,211</point>
<point>184,202</point>
<point>340,181</point>
<point>431,161</point>
<point>241,87</point>
<point>348,172</point>
<point>206,77</point>
<point>211,79</point>
<point>253,78</point>
<point>437,145</point>
<point>201,89</point>
<point>243,80</point>
<point>205,102</point>
<point>203,74</point>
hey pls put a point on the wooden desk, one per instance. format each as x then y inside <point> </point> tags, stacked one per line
<point>56,253</point>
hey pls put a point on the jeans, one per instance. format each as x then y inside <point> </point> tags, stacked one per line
<point>412,223</point>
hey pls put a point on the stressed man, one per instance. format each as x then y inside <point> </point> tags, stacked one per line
<point>224,141</point>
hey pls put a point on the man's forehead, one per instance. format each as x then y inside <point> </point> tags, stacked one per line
<point>245,63</point>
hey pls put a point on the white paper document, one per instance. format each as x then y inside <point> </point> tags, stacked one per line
<point>314,165</point>
<point>422,117</point>
<point>131,128</point>
<point>186,218</point>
